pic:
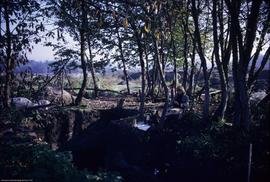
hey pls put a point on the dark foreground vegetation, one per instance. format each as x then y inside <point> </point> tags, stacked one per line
<point>187,148</point>
<point>196,108</point>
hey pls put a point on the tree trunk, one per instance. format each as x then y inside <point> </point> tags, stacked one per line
<point>162,55</point>
<point>122,57</point>
<point>235,80</point>
<point>154,80</point>
<point>140,51</point>
<point>265,59</point>
<point>163,82</point>
<point>192,70</point>
<point>197,38</point>
<point>220,112</point>
<point>126,76</point>
<point>147,71</point>
<point>240,68</point>
<point>8,58</point>
<point>264,31</point>
<point>185,53</point>
<point>173,92</point>
<point>92,69</point>
<point>82,32</point>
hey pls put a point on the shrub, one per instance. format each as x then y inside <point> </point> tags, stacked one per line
<point>40,163</point>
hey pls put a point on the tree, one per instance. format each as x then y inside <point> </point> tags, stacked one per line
<point>220,112</point>
<point>138,35</point>
<point>121,51</point>
<point>197,38</point>
<point>242,46</point>
<point>73,17</point>
<point>19,28</point>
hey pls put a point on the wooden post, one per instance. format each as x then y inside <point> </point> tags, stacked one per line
<point>249,162</point>
<point>62,85</point>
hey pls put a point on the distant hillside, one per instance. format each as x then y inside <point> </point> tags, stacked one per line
<point>37,67</point>
<point>42,67</point>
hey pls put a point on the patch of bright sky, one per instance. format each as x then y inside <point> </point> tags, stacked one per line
<point>41,53</point>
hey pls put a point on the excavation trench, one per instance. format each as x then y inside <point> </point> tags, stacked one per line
<point>113,143</point>
<point>103,139</point>
<point>107,139</point>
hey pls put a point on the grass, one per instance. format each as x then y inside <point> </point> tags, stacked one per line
<point>107,83</point>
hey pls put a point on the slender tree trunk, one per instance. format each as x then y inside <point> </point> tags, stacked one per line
<point>8,57</point>
<point>265,59</point>
<point>147,71</point>
<point>154,79</point>
<point>162,54</point>
<point>122,57</point>
<point>82,32</point>
<point>163,82</point>
<point>253,74</point>
<point>244,61</point>
<point>192,70</point>
<point>126,76</point>
<point>140,51</point>
<point>62,84</point>
<point>245,105</point>
<point>255,59</point>
<point>220,112</point>
<point>185,53</point>
<point>197,38</point>
<point>235,81</point>
<point>175,82</point>
<point>92,69</point>
<point>235,52</point>
<point>240,68</point>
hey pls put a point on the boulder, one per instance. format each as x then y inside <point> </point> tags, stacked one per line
<point>43,102</point>
<point>55,95</point>
<point>21,102</point>
<point>256,97</point>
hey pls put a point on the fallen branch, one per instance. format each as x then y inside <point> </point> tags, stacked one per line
<point>58,72</point>
<point>99,90</point>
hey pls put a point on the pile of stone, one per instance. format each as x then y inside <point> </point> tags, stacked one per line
<point>58,96</point>
<point>22,102</point>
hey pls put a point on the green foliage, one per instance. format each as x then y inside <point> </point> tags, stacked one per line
<point>11,115</point>
<point>24,17</point>
<point>218,125</point>
<point>200,147</point>
<point>40,163</point>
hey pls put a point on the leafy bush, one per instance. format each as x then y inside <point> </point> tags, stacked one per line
<point>39,163</point>
<point>199,147</point>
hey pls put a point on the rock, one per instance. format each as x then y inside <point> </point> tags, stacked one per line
<point>142,126</point>
<point>55,95</point>
<point>43,102</point>
<point>21,102</point>
<point>173,111</point>
<point>256,97</point>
